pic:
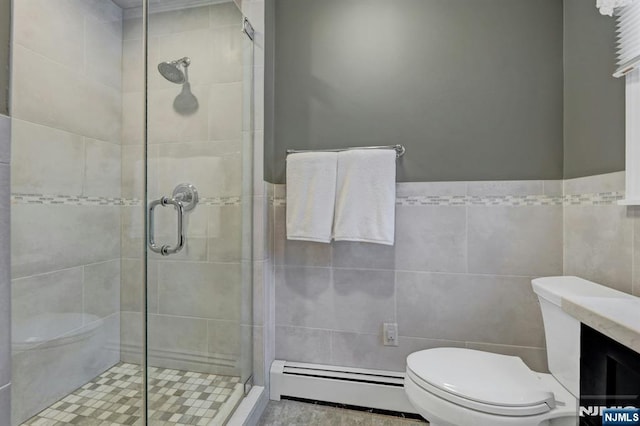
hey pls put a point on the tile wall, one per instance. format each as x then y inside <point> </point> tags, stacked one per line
<point>66,145</point>
<point>459,275</point>
<point>602,240</point>
<point>5,278</point>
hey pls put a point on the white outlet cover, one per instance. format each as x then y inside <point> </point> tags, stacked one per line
<point>390,334</point>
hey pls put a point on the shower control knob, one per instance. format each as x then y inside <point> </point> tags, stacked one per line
<point>187,194</point>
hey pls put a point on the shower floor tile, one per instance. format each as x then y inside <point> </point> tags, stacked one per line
<point>113,398</point>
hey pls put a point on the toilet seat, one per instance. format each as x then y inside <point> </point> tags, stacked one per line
<point>486,382</point>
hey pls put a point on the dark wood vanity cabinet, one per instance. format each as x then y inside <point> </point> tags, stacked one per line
<point>609,376</point>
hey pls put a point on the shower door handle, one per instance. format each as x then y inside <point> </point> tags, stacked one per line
<point>166,250</point>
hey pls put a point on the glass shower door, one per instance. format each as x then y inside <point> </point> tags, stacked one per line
<point>198,297</point>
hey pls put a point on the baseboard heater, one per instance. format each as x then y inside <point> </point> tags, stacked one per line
<point>383,390</point>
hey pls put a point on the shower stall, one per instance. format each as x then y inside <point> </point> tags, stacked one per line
<point>131,211</point>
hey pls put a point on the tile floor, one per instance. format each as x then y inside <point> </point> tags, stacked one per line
<point>294,413</point>
<point>113,398</point>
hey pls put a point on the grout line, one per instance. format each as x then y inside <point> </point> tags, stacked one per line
<point>408,271</point>
<point>84,285</point>
<point>634,224</point>
<point>395,298</point>
<point>331,346</point>
<point>47,273</point>
<point>156,266</point>
<point>206,337</point>
<point>322,329</point>
<point>85,61</point>
<point>72,70</point>
<point>466,237</point>
<point>68,269</point>
<point>56,129</point>
<point>84,188</point>
<point>503,344</point>
<point>464,342</point>
<point>238,321</point>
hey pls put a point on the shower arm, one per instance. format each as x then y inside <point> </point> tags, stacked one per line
<point>186,72</point>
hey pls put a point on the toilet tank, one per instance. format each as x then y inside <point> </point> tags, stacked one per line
<point>562,331</point>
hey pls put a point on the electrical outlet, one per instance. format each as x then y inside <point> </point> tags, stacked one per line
<point>390,333</point>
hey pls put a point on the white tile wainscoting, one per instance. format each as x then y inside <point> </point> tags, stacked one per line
<point>459,274</point>
<point>602,242</point>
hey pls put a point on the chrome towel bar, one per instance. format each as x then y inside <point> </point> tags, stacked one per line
<point>400,149</point>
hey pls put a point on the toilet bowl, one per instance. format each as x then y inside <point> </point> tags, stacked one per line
<point>466,387</point>
<point>460,387</point>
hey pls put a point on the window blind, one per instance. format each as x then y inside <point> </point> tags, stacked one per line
<point>628,38</point>
<point>627,13</point>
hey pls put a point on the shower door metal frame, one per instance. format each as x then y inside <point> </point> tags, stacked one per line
<point>145,195</point>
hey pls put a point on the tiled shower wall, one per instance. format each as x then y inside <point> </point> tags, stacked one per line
<point>5,279</point>
<point>194,296</point>
<point>459,275</point>
<point>66,148</point>
<point>602,240</point>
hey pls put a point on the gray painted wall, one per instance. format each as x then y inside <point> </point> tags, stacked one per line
<point>5,35</point>
<point>472,88</point>
<point>269,89</point>
<point>593,99</point>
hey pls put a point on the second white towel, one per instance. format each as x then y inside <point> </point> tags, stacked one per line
<point>366,196</point>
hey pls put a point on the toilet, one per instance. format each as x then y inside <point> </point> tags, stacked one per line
<point>465,387</point>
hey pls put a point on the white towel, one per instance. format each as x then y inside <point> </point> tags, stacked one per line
<point>366,196</point>
<point>311,195</point>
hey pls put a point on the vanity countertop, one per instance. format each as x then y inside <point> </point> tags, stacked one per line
<point>616,315</point>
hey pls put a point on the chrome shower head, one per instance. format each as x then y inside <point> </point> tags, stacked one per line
<point>175,71</point>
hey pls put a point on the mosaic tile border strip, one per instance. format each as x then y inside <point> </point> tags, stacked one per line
<point>80,200</point>
<point>221,201</point>
<point>176,397</point>
<point>472,200</point>
<point>73,200</point>
<point>595,199</point>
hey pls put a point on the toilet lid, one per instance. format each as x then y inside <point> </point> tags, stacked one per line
<point>485,378</point>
